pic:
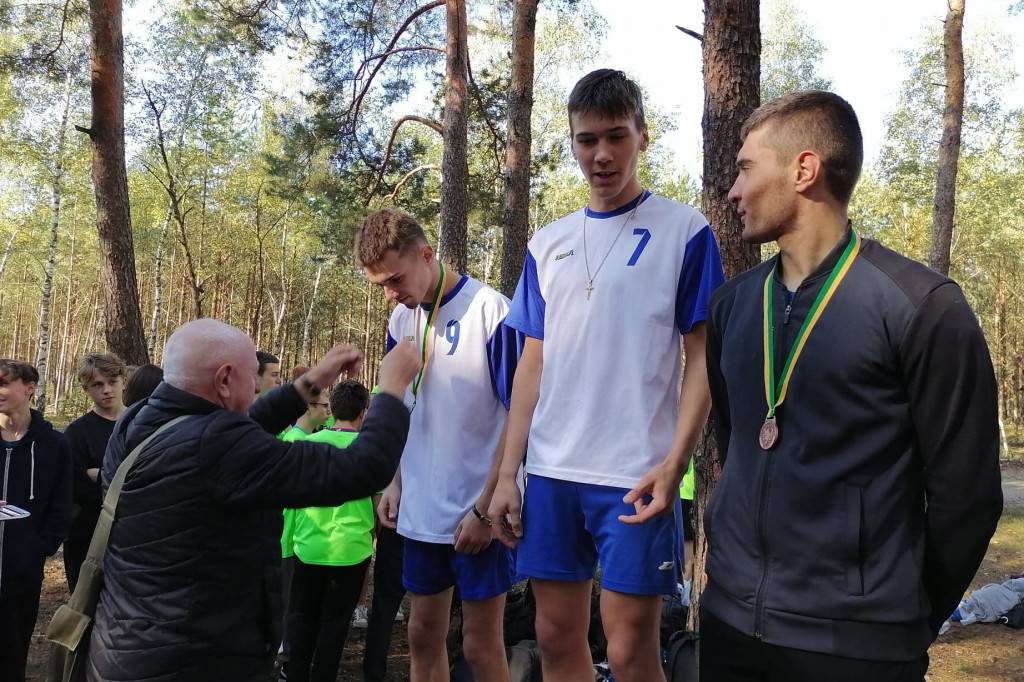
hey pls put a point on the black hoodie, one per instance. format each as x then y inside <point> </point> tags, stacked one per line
<point>36,476</point>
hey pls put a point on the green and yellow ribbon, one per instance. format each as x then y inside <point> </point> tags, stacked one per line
<point>775,390</point>
<point>434,306</point>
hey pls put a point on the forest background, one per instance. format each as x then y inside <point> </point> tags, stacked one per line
<point>259,134</point>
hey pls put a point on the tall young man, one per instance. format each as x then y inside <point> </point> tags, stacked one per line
<point>102,378</point>
<point>855,404</point>
<point>439,497</point>
<point>36,466</point>
<point>604,296</point>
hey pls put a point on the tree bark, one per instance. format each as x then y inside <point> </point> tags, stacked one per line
<point>516,197</point>
<point>124,330</point>
<point>949,146</point>
<point>732,67</point>
<point>158,284</point>
<point>454,164</point>
<point>43,356</point>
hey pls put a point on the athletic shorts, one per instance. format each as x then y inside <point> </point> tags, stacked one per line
<point>569,527</point>
<point>430,568</point>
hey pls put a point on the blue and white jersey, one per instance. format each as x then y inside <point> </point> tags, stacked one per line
<point>461,407</point>
<point>609,390</point>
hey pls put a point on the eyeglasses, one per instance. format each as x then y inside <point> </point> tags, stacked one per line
<point>321,404</point>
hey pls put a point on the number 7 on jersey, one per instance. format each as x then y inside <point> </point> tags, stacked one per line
<point>645,236</point>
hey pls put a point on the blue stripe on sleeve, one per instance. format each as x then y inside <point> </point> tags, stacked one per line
<point>701,274</point>
<point>389,343</point>
<point>503,351</point>
<point>527,312</point>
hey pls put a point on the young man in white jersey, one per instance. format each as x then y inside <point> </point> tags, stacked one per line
<point>604,296</point>
<point>459,403</point>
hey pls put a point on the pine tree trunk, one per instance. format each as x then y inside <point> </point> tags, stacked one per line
<point>516,198</point>
<point>123,318</point>
<point>949,145</point>
<point>732,66</point>
<point>454,164</point>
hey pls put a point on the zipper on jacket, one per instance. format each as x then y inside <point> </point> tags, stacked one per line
<point>7,469</point>
<point>762,547</point>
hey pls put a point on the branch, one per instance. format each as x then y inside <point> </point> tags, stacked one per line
<point>387,153</point>
<point>87,131</point>
<point>357,102</point>
<point>414,48</point>
<point>693,34</point>
<point>60,37</point>
<point>414,171</point>
<point>495,136</point>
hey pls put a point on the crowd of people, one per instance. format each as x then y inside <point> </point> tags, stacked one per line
<point>540,437</point>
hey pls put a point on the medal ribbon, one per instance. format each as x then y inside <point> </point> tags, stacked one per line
<point>434,306</point>
<point>774,392</point>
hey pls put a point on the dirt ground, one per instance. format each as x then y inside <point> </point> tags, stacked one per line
<point>979,652</point>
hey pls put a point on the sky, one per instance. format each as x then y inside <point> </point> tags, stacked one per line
<point>864,42</point>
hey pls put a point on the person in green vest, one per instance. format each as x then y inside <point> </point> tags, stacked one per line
<point>686,494</point>
<point>332,547</point>
<point>317,414</point>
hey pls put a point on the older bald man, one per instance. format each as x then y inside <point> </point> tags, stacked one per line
<point>190,576</point>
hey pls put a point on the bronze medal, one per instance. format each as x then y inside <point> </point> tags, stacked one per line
<point>769,434</point>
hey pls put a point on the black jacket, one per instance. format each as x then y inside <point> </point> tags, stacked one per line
<point>191,575</point>
<point>858,533</point>
<point>36,476</point>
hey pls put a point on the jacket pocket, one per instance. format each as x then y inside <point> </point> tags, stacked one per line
<point>853,540</point>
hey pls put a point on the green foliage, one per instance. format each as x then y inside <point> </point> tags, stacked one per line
<point>790,53</point>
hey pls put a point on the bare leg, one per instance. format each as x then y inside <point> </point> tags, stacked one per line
<point>563,619</point>
<point>428,627</point>
<point>483,643</point>
<point>631,626</point>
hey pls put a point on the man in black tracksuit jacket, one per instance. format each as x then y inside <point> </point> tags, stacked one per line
<point>836,551</point>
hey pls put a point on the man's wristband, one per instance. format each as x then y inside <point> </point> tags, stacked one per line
<point>480,517</point>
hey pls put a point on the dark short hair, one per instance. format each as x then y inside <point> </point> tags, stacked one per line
<point>107,364</point>
<point>819,121</point>
<point>15,370</point>
<point>265,358</point>
<point>141,384</point>
<point>386,230</point>
<point>610,94</point>
<point>348,400</point>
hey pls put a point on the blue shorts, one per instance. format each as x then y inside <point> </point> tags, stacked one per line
<point>568,527</point>
<point>430,568</point>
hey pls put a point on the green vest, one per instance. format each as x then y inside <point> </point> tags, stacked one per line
<point>334,536</point>
<point>287,549</point>
<point>686,487</point>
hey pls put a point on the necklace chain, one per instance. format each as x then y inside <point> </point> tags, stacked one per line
<point>586,259</point>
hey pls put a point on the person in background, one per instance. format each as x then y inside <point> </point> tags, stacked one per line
<point>36,465</point>
<point>269,372</point>
<point>101,376</point>
<point>332,548</point>
<point>142,381</point>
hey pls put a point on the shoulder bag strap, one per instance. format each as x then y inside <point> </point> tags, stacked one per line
<point>98,546</point>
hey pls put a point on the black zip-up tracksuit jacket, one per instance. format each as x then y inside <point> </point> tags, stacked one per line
<point>36,476</point>
<point>857,534</point>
